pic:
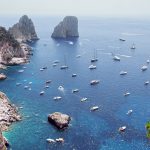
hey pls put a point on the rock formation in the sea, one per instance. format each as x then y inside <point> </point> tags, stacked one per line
<point>66,28</point>
<point>61,121</point>
<point>24,30</point>
<point>8,112</point>
<point>11,51</point>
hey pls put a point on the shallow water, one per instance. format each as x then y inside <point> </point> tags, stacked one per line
<point>88,130</point>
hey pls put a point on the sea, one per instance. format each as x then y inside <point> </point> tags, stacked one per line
<point>88,130</point>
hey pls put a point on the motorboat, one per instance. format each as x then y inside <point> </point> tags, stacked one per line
<point>116,58</point>
<point>20,71</point>
<point>84,99</point>
<point>18,84</point>
<point>123,72</point>
<point>56,61</point>
<point>60,140</point>
<point>123,40</point>
<point>42,93</point>
<point>92,67</point>
<point>30,82</point>
<point>74,75</point>
<point>48,81</point>
<point>57,98</point>
<point>94,82</point>
<point>148,61</point>
<point>129,112</point>
<point>50,140</point>
<point>144,68</point>
<point>94,108</point>
<point>126,94</point>
<point>78,56</point>
<point>122,129</point>
<point>47,86</point>
<point>26,87</point>
<point>41,69</point>
<point>54,65</point>
<point>75,90</point>
<point>146,83</point>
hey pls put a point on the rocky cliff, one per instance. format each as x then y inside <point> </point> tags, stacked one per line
<point>2,142</point>
<point>67,28</point>
<point>24,30</point>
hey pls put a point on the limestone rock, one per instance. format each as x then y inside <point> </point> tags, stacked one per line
<point>67,28</point>
<point>59,120</point>
<point>24,30</point>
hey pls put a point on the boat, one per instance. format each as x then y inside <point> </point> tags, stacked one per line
<point>26,87</point>
<point>20,71</point>
<point>75,90</point>
<point>60,140</point>
<point>63,67</point>
<point>123,40</point>
<point>127,94</point>
<point>54,65</point>
<point>123,72</point>
<point>78,56</point>
<point>30,89</point>
<point>61,88</point>
<point>133,46</point>
<point>94,59</point>
<point>18,84</point>
<point>47,86</point>
<point>44,68</point>
<point>116,58</point>
<point>94,82</point>
<point>84,99</point>
<point>74,75</point>
<point>42,93</point>
<point>41,69</point>
<point>94,108</point>
<point>92,67</point>
<point>148,61</point>
<point>146,83</point>
<point>122,129</point>
<point>144,68</point>
<point>48,81</point>
<point>56,61</point>
<point>129,112</point>
<point>57,98</point>
<point>30,82</point>
<point>50,140</point>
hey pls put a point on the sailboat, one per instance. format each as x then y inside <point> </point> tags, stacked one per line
<point>95,57</point>
<point>133,46</point>
<point>64,66</point>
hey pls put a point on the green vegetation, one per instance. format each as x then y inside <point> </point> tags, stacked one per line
<point>147,126</point>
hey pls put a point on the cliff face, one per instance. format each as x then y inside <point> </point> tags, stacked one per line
<point>9,47</point>
<point>67,28</point>
<point>2,142</point>
<point>24,30</point>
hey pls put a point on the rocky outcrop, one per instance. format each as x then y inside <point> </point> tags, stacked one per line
<point>24,30</point>
<point>11,49</point>
<point>61,121</point>
<point>67,28</point>
<point>2,142</point>
<point>8,112</point>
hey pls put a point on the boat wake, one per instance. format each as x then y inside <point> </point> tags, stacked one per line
<point>132,34</point>
<point>127,56</point>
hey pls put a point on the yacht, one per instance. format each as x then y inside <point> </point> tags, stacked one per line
<point>123,72</point>
<point>127,94</point>
<point>48,81</point>
<point>122,129</point>
<point>20,71</point>
<point>116,58</point>
<point>63,67</point>
<point>133,46</point>
<point>74,75</point>
<point>92,67</point>
<point>54,65</point>
<point>60,140</point>
<point>42,93</point>
<point>94,59</point>
<point>50,140</point>
<point>123,40</point>
<point>75,90</point>
<point>94,108</point>
<point>94,82</point>
<point>146,83</point>
<point>56,61</point>
<point>26,87</point>
<point>129,112</point>
<point>144,68</point>
<point>84,99</point>
<point>47,86</point>
<point>41,69</point>
<point>57,98</point>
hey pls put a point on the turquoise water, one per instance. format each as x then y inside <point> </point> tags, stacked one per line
<point>88,130</point>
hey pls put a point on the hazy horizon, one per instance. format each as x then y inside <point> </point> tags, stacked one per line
<point>97,8</point>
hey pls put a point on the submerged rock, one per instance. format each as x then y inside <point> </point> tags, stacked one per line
<point>66,28</point>
<point>24,30</point>
<point>59,120</point>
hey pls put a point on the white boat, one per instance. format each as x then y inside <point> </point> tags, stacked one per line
<point>30,89</point>
<point>94,82</point>
<point>94,59</point>
<point>20,71</point>
<point>56,61</point>
<point>47,86</point>
<point>50,140</point>
<point>54,65</point>
<point>144,68</point>
<point>78,56</point>
<point>146,83</point>
<point>92,67</point>
<point>129,112</point>
<point>61,88</point>
<point>148,61</point>
<point>116,58</point>
<point>84,99</point>
<point>42,93</point>
<point>94,108</point>
<point>123,72</point>
<point>57,98</point>
<point>48,81</point>
<point>26,87</point>
<point>30,82</point>
<point>122,129</point>
<point>64,67</point>
<point>60,140</point>
<point>41,69</point>
<point>123,40</point>
<point>133,46</point>
<point>75,90</point>
<point>74,75</point>
<point>18,84</point>
<point>126,94</point>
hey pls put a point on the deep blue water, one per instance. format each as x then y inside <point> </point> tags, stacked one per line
<point>88,130</point>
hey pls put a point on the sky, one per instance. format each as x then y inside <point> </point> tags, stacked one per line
<point>76,7</point>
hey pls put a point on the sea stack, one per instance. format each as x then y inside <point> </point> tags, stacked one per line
<point>66,28</point>
<point>24,30</point>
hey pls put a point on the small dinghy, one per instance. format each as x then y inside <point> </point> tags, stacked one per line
<point>94,108</point>
<point>122,129</point>
<point>57,98</point>
<point>84,99</point>
<point>123,72</point>
<point>146,83</point>
<point>144,68</point>
<point>75,90</point>
<point>129,112</point>
<point>94,82</point>
<point>42,93</point>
